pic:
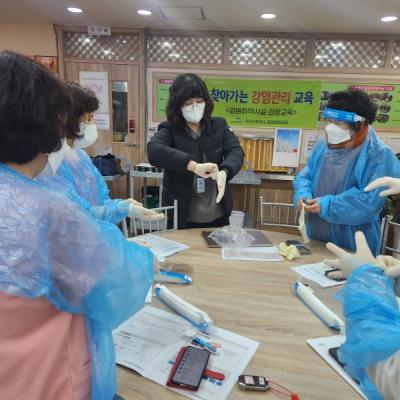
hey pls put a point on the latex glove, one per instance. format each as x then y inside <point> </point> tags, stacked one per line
<point>145,214</point>
<point>220,177</point>
<point>206,170</point>
<point>134,202</point>
<point>393,185</point>
<point>290,252</point>
<point>347,262</point>
<point>300,204</point>
<point>302,225</point>
<point>312,206</point>
<point>391,265</point>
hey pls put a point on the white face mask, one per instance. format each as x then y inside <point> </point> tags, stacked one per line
<point>54,160</point>
<point>336,134</point>
<point>90,135</point>
<point>194,112</point>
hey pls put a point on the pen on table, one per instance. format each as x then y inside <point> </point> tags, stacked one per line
<point>205,344</point>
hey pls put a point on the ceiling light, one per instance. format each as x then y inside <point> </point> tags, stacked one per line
<point>144,12</point>
<point>390,18</point>
<point>74,9</point>
<point>268,16</point>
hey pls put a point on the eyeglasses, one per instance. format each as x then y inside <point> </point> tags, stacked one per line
<point>337,279</point>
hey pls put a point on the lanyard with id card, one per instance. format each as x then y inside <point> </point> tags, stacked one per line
<point>200,185</point>
<point>200,182</point>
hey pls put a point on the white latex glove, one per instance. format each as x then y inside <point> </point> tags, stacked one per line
<point>220,177</point>
<point>206,170</point>
<point>145,214</point>
<point>134,202</point>
<point>347,262</point>
<point>391,264</point>
<point>393,185</point>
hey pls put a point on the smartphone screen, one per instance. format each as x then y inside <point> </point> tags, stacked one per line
<point>191,368</point>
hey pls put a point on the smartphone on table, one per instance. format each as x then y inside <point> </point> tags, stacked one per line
<point>303,250</point>
<point>188,369</point>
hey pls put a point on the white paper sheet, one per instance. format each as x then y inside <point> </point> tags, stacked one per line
<point>322,346</point>
<point>150,340</point>
<point>149,296</point>
<point>252,254</point>
<point>160,246</point>
<point>316,273</point>
<point>311,140</point>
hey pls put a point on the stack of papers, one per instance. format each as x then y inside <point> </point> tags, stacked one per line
<point>150,340</point>
<point>316,273</point>
<point>322,346</point>
<point>251,253</point>
<point>160,246</point>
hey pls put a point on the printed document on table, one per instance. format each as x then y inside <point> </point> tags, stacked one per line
<point>160,246</point>
<point>150,340</point>
<point>322,346</point>
<point>252,254</point>
<point>316,273</point>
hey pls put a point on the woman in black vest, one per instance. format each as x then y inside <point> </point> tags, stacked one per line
<point>199,154</point>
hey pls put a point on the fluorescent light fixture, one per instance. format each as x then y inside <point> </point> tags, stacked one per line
<point>268,16</point>
<point>389,18</point>
<point>74,9</point>
<point>144,12</point>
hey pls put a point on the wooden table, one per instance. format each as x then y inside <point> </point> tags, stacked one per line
<point>253,299</point>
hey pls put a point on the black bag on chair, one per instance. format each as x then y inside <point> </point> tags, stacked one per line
<point>108,165</point>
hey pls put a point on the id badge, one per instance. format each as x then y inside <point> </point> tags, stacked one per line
<point>200,185</point>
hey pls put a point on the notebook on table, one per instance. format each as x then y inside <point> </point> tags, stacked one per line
<point>261,239</point>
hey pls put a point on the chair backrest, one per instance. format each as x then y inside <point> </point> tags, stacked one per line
<point>390,237</point>
<point>170,214</point>
<point>277,214</point>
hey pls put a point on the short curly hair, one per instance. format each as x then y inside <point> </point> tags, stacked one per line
<point>355,101</point>
<point>185,87</point>
<point>33,109</point>
<point>83,101</point>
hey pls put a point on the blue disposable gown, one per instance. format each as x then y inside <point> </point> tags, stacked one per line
<point>78,178</point>
<point>372,324</point>
<point>353,209</point>
<point>51,247</point>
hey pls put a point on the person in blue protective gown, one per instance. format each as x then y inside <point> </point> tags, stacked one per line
<point>371,352</point>
<point>78,177</point>
<point>66,278</point>
<point>331,185</point>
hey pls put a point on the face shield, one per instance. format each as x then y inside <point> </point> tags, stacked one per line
<point>338,126</point>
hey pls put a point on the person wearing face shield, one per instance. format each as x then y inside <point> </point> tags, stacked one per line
<point>199,154</point>
<point>66,279</point>
<point>331,185</point>
<point>77,175</point>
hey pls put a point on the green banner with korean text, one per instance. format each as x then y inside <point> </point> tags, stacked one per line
<point>162,95</point>
<point>386,97</point>
<point>266,103</point>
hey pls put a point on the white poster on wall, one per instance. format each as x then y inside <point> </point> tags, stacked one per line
<point>98,83</point>
<point>287,146</point>
<point>102,121</point>
<point>311,141</point>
